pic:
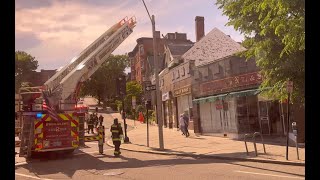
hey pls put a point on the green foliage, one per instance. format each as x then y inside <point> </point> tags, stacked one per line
<point>119,105</point>
<point>24,65</point>
<point>275,37</point>
<point>133,88</point>
<point>102,84</point>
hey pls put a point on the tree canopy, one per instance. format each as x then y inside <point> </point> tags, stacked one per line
<point>24,65</point>
<point>274,33</point>
<point>102,84</point>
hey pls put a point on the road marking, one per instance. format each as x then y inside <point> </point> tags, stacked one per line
<point>92,152</point>
<point>293,177</point>
<point>34,177</point>
<point>20,163</point>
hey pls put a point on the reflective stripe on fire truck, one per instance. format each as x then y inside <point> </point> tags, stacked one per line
<point>38,126</point>
<point>74,129</point>
<point>38,132</point>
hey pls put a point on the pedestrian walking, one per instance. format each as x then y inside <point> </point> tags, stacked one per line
<point>141,118</point>
<point>182,124</point>
<point>117,134</point>
<point>100,120</point>
<point>186,122</point>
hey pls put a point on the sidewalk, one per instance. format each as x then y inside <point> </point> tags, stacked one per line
<point>205,146</point>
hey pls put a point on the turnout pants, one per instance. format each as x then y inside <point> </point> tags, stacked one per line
<point>117,148</point>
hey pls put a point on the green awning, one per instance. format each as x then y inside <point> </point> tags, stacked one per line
<point>210,98</point>
<point>250,92</point>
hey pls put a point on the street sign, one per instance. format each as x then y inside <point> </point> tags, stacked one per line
<point>289,86</point>
<point>151,88</point>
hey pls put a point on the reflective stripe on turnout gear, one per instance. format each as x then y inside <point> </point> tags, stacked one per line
<point>115,131</point>
<point>116,139</point>
<point>116,152</point>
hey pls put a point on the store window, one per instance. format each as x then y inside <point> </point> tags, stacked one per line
<point>247,114</point>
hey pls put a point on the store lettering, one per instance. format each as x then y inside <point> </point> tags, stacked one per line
<point>231,82</point>
<point>182,91</point>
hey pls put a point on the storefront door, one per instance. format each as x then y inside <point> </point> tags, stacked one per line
<point>264,118</point>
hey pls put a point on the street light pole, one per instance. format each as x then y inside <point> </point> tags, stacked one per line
<point>156,68</point>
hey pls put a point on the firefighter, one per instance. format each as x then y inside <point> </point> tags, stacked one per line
<point>116,136</point>
<point>100,120</point>
<point>90,124</point>
<point>96,120</point>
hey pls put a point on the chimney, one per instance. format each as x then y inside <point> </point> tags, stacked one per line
<point>199,27</point>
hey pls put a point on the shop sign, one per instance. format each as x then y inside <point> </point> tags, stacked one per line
<point>165,96</point>
<point>229,83</point>
<point>182,91</point>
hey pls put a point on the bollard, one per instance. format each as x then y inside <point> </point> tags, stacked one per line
<point>100,143</point>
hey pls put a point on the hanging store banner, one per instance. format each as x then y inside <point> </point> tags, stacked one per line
<point>229,83</point>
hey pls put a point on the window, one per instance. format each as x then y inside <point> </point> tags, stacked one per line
<point>141,50</point>
<point>173,76</point>
<point>183,71</point>
<point>178,74</point>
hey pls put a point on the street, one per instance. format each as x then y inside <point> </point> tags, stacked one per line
<point>87,163</point>
<point>134,165</point>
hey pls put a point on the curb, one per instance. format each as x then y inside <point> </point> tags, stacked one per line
<point>213,157</point>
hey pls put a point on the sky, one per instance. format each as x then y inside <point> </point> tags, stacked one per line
<point>55,31</point>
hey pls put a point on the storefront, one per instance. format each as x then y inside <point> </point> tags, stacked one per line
<point>167,103</point>
<point>232,107</point>
<point>183,102</point>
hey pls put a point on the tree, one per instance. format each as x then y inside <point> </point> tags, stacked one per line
<point>24,65</point>
<point>102,84</point>
<point>133,88</point>
<point>275,37</point>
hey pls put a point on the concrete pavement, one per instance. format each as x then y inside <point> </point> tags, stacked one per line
<point>205,146</point>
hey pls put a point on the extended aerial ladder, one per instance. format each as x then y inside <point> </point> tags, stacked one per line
<point>65,83</point>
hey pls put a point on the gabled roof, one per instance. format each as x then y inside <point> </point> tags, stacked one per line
<point>179,49</point>
<point>212,47</point>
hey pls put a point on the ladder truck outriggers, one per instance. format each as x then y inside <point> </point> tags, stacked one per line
<point>50,121</point>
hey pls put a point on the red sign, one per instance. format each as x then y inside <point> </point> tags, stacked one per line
<point>231,82</point>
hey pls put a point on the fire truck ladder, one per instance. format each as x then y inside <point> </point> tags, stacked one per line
<point>64,84</point>
<point>26,137</point>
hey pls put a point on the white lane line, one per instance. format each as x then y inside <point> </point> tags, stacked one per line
<point>92,152</point>
<point>34,177</point>
<point>293,177</point>
<point>20,163</point>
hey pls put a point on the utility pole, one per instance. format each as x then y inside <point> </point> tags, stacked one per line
<point>156,68</point>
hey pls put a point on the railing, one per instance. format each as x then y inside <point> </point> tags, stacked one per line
<point>253,136</point>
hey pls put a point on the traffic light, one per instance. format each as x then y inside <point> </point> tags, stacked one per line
<point>121,85</point>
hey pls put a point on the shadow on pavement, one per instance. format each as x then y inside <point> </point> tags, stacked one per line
<point>69,164</point>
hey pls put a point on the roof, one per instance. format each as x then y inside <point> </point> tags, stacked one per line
<point>179,49</point>
<point>212,47</point>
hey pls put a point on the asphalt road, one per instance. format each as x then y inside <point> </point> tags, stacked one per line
<point>87,163</point>
<point>132,165</point>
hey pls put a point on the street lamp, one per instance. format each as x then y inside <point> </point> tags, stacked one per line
<point>156,67</point>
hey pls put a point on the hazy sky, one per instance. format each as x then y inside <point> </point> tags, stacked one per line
<point>54,31</point>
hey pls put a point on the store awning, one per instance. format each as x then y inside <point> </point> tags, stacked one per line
<point>250,92</point>
<point>210,98</point>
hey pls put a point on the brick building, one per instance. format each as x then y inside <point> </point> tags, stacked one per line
<point>141,58</point>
